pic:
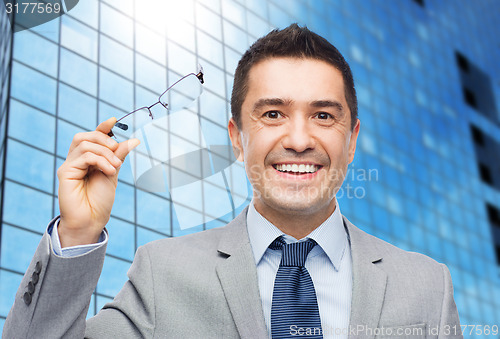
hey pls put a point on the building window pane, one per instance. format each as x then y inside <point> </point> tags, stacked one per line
<point>15,209</point>
<point>37,52</point>
<point>213,107</point>
<point>50,29</point>
<point>65,134</point>
<point>116,57</point>
<point>234,12</point>
<point>151,44</point>
<point>42,131</point>
<point>77,107</point>
<point>125,6</point>
<point>116,90</point>
<point>208,21</point>
<point>182,33</point>
<point>180,60</point>
<point>150,74</point>
<point>121,238</point>
<point>9,282</point>
<point>113,276</point>
<point>116,25</point>
<point>144,236</point>
<point>33,88</point>
<point>12,258</point>
<point>232,59</point>
<point>78,72</point>
<point>210,49</point>
<point>123,206</point>
<point>79,38</point>
<point>256,26</point>
<point>153,212</point>
<point>86,11</point>
<point>37,172</point>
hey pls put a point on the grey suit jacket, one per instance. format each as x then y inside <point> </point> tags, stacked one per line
<point>204,285</point>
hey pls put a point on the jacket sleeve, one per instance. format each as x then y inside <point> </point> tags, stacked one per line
<point>449,326</point>
<point>54,295</point>
<point>132,312</point>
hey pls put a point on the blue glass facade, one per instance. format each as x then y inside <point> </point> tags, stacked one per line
<point>415,181</point>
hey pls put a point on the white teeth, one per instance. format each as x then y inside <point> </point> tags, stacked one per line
<point>294,168</point>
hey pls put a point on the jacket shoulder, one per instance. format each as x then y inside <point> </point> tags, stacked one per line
<point>390,255</point>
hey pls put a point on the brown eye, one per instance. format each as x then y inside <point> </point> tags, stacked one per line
<point>272,114</point>
<point>324,116</point>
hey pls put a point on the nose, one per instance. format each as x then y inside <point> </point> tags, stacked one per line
<point>298,137</point>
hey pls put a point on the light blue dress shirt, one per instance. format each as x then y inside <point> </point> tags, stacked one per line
<point>72,251</point>
<point>329,265</point>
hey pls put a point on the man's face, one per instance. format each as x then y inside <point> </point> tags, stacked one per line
<point>295,138</point>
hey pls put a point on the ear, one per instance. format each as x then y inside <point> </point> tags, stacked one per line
<point>352,141</point>
<point>235,136</point>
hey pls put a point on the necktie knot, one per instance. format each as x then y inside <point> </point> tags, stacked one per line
<point>294,254</point>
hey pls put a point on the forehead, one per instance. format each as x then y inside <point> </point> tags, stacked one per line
<point>295,78</point>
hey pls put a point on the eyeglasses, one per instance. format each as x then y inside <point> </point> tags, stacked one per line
<point>182,94</point>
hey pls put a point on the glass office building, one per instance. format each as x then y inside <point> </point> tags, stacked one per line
<point>426,176</point>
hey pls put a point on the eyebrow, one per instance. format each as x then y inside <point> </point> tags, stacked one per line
<point>271,102</point>
<point>327,103</point>
<point>287,102</point>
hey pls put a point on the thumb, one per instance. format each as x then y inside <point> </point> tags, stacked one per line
<point>125,147</point>
<point>106,126</point>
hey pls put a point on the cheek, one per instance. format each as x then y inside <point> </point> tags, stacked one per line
<point>337,148</point>
<point>259,143</point>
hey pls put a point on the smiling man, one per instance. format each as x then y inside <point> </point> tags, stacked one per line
<point>296,136</point>
<point>290,265</point>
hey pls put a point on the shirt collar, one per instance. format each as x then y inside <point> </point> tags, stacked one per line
<point>331,235</point>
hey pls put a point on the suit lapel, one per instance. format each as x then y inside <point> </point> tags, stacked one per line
<point>238,277</point>
<point>368,281</point>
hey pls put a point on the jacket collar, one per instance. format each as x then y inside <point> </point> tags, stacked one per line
<point>238,277</point>
<point>368,281</point>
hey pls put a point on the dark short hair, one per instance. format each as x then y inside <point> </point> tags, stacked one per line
<point>296,42</point>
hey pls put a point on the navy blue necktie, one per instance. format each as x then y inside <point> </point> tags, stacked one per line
<point>294,304</point>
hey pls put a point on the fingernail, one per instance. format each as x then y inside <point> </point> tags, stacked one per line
<point>110,142</point>
<point>117,159</point>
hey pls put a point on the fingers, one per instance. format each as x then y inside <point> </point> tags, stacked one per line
<point>97,136</point>
<point>86,155</point>
<point>125,147</point>
<point>96,149</point>
<point>92,159</point>
<point>91,147</point>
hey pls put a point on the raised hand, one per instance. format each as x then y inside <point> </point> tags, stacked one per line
<point>87,184</point>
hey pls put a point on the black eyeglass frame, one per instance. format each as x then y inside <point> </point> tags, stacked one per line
<point>124,127</point>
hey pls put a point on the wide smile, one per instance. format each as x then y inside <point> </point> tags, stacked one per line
<point>297,170</point>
